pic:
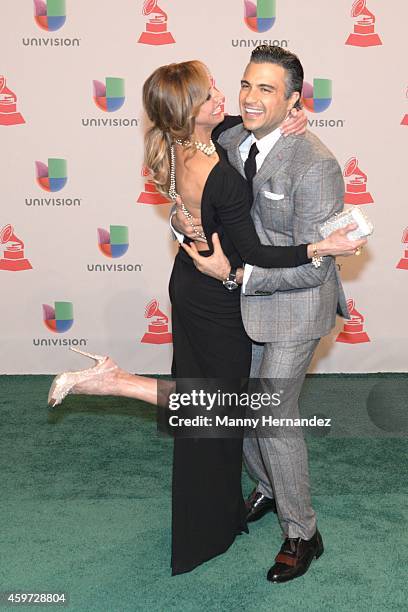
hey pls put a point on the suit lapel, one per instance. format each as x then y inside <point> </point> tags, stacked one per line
<point>275,158</point>
<point>232,148</point>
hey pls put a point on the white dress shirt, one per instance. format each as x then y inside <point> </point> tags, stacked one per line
<point>264,146</point>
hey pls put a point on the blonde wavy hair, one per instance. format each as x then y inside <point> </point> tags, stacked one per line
<point>172,97</point>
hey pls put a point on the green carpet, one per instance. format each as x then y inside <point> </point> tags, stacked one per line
<point>85,506</point>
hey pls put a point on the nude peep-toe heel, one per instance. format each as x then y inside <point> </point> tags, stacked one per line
<point>63,383</point>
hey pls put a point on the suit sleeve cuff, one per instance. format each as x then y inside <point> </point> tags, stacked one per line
<point>247,273</point>
<point>176,235</point>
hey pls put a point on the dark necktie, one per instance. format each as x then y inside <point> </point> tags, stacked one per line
<point>250,163</point>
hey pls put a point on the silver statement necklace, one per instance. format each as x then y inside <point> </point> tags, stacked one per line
<point>172,190</point>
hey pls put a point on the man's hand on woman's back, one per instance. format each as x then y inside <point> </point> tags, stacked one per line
<point>183,225</point>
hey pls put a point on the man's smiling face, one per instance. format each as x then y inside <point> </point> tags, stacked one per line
<point>262,98</point>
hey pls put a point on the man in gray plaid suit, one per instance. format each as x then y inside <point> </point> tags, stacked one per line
<point>297,185</point>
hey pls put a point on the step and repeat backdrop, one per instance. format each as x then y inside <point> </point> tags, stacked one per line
<point>85,246</point>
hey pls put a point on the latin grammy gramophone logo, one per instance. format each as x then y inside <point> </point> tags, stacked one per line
<point>405,117</point>
<point>403,262</point>
<point>158,328</point>
<point>260,15</point>
<point>109,96</point>
<point>356,184</point>
<point>150,195</point>
<point>222,103</point>
<point>317,97</point>
<point>363,34</point>
<point>8,105</point>
<point>58,318</point>
<point>52,177</point>
<point>50,15</point>
<point>12,251</point>
<point>353,330</point>
<point>156,32</point>
<point>115,242</point>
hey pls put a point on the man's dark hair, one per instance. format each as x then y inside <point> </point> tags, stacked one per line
<point>264,54</point>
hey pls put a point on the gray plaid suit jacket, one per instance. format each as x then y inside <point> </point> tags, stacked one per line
<point>289,304</point>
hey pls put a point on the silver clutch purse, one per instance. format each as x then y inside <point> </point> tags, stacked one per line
<point>351,215</point>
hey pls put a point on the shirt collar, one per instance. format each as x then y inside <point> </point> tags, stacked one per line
<point>266,143</point>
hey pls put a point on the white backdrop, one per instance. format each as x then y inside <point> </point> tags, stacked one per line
<point>51,73</point>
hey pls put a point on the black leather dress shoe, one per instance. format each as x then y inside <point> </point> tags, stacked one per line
<point>257,505</point>
<point>295,557</point>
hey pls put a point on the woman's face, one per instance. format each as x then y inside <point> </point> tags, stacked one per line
<point>211,113</point>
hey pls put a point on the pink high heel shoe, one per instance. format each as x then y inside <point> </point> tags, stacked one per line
<point>63,383</point>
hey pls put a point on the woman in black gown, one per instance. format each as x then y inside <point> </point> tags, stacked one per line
<point>210,343</point>
<point>209,340</point>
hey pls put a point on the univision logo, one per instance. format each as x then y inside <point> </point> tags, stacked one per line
<point>114,244</point>
<point>58,318</point>
<point>109,96</point>
<point>52,177</point>
<point>260,16</point>
<point>317,98</point>
<point>50,15</point>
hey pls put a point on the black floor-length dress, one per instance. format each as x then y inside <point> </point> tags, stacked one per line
<point>209,341</point>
